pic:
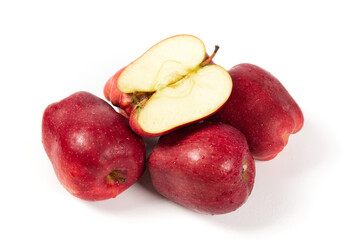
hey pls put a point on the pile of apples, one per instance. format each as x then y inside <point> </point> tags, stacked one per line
<point>212,124</point>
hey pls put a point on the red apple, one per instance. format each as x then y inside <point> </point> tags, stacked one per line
<point>206,167</point>
<point>169,86</point>
<point>262,109</point>
<point>94,153</point>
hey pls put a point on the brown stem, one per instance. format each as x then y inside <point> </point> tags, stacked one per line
<point>209,59</point>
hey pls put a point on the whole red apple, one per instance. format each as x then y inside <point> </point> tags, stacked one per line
<point>206,167</point>
<point>262,109</point>
<point>94,153</point>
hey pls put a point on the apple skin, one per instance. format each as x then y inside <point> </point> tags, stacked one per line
<point>262,109</point>
<point>86,140</point>
<point>111,92</point>
<point>116,97</point>
<point>206,167</point>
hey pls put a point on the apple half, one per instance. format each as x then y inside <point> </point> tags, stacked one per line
<point>172,85</point>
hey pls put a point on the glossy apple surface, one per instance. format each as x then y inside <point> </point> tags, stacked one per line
<point>262,109</point>
<point>206,167</point>
<point>94,153</point>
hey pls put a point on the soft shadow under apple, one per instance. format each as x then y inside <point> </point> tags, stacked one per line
<point>141,198</point>
<point>275,198</point>
<point>278,191</point>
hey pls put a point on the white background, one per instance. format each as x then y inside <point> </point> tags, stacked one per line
<point>50,50</point>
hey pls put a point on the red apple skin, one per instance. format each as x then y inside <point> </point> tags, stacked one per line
<point>262,109</point>
<point>111,91</point>
<point>116,97</point>
<point>85,140</point>
<point>206,167</point>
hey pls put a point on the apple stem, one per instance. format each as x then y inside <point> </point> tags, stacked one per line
<point>209,59</point>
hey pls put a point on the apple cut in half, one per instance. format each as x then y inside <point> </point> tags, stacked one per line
<point>173,85</point>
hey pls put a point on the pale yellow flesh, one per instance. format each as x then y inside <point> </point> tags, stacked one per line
<point>196,96</point>
<point>163,64</point>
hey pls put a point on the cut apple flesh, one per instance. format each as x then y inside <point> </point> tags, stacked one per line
<point>163,64</point>
<point>176,88</point>
<point>194,97</point>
